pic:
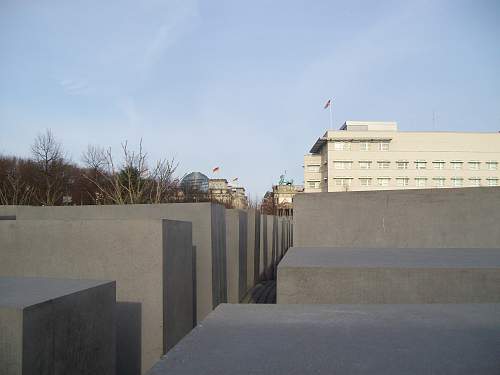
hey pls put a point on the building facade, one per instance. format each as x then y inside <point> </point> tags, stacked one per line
<point>376,156</point>
<point>283,198</point>
<point>220,191</point>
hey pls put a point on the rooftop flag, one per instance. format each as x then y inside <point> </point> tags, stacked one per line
<point>216,169</point>
<point>328,104</point>
<point>235,179</point>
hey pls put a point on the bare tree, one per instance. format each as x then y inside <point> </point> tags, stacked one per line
<point>132,181</point>
<point>267,205</point>
<point>13,188</point>
<point>163,184</point>
<point>94,158</point>
<point>48,155</point>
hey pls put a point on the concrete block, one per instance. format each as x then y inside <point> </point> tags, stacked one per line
<point>272,247</point>
<point>268,238</point>
<point>209,236</point>
<point>341,340</point>
<point>430,218</point>
<point>357,276</point>
<point>253,246</point>
<point>236,247</point>
<point>264,244</point>
<point>151,261</point>
<point>57,326</point>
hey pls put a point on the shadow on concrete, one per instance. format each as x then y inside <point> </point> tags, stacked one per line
<point>128,338</point>
<point>263,292</point>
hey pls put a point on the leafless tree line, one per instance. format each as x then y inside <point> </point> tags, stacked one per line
<point>49,178</point>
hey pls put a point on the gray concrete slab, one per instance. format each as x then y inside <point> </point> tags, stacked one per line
<point>340,339</point>
<point>345,275</point>
<point>431,218</point>
<point>264,245</point>
<point>253,246</point>
<point>236,256</point>
<point>270,255</point>
<point>151,261</point>
<point>209,236</point>
<point>57,326</point>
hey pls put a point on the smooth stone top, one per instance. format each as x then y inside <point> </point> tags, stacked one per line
<point>331,257</point>
<point>340,339</point>
<point>20,292</point>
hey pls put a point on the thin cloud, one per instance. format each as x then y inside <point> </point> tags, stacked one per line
<point>75,86</point>
<point>177,23</point>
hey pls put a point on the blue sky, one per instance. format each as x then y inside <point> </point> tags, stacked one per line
<point>241,84</point>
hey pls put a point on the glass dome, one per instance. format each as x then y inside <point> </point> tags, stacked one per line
<point>195,181</point>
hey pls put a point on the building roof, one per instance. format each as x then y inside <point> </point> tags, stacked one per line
<point>354,126</point>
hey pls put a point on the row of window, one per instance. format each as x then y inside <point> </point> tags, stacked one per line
<point>419,164</point>
<point>419,181</point>
<point>405,181</point>
<point>363,146</point>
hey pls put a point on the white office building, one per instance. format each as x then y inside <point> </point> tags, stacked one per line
<point>366,155</point>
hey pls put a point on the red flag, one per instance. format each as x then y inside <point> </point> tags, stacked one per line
<point>215,169</point>
<point>327,104</point>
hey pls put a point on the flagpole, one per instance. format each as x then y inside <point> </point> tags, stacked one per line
<point>331,115</point>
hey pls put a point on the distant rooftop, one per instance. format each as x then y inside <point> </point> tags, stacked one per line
<point>357,126</point>
<point>370,126</point>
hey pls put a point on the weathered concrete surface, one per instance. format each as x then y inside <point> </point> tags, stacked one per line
<point>209,236</point>
<point>272,238</point>
<point>431,218</point>
<point>264,244</point>
<point>253,246</point>
<point>8,212</point>
<point>151,261</point>
<point>236,247</point>
<point>57,326</point>
<point>341,340</point>
<point>273,244</point>
<point>345,275</point>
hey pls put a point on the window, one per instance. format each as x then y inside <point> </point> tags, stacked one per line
<point>383,146</point>
<point>492,181</point>
<point>438,164</point>
<point>384,164</point>
<point>338,164</point>
<point>457,182</point>
<point>456,164</point>
<point>364,146</point>
<point>313,184</point>
<point>492,165</point>
<point>365,181</point>
<point>438,182</point>
<point>419,164</point>
<point>341,146</point>
<point>342,181</point>
<point>402,164</point>
<point>365,164</point>
<point>420,181</point>
<point>474,165</point>
<point>475,181</point>
<point>313,168</point>
<point>383,181</point>
<point>402,181</point>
